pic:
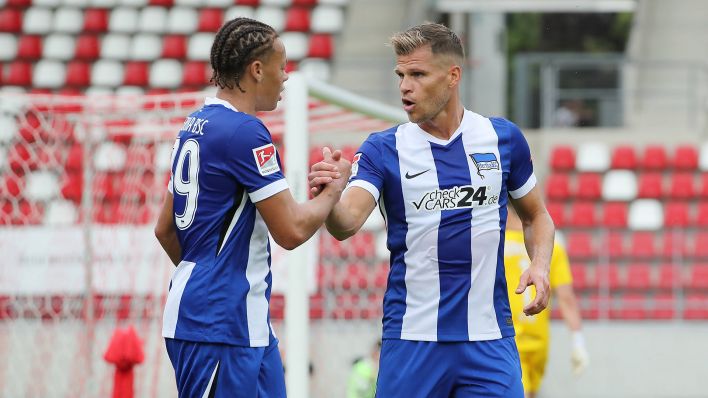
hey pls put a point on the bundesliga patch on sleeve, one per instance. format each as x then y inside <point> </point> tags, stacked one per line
<point>266,160</point>
<point>355,164</point>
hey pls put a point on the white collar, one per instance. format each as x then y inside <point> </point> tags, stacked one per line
<point>219,101</point>
<point>439,141</point>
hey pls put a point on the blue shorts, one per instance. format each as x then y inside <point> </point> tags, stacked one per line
<point>221,370</point>
<point>417,369</point>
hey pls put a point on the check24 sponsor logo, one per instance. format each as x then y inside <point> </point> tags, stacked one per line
<point>461,197</point>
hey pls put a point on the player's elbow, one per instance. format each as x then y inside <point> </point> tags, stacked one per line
<point>162,233</point>
<point>290,241</point>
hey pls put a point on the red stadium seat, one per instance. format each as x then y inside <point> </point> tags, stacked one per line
<point>632,306</point>
<point>87,47</point>
<point>12,185</point>
<point>675,245</point>
<point>562,158</point>
<point>638,276</point>
<point>590,306</point>
<point>136,74</point>
<point>589,186</point>
<point>174,46</point>
<point>72,187</point>
<point>95,21</point>
<point>18,73</point>
<point>558,186</point>
<point>304,3</point>
<point>642,245</point>
<point>196,73</point>
<point>702,214</point>
<point>29,47</point>
<point>210,19</point>
<point>613,245</point>
<point>297,19</point>
<point>320,46</point>
<point>664,306</point>
<point>677,214</point>
<point>252,3</point>
<point>74,159</point>
<point>78,74</point>
<point>651,185</point>
<point>655,158</point>
<point>557,212</point>
<point>698,277</point>
<point>381,275</point>
<point>162,3</point>
<point>704,186</point>
<point>10,20</point>
<point>624,157</point>
<point>581,277</point>
<point>686,158</point>
<point>277,306</point>
<point>291,66</point>
<point>580,245</point>
<point>614,215</point>
<point>582,214</point>
<point>317,306</point>
<point>611,275</point>
<point>700,245</point>
<point>682,186</point>
<point>696,306</point>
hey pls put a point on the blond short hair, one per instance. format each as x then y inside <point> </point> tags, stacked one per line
<point>438,36</point>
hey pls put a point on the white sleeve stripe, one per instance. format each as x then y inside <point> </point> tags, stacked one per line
<point>268,190</point>
<point>369,187</point>
<point>524,189</point>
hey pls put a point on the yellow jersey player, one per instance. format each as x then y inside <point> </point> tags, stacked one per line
<point>532,331</point>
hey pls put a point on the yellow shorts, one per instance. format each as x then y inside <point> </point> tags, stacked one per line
<point>533,366</point>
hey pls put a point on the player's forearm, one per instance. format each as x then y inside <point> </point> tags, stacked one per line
<point>341,222</point>
<point>539,234</point>
<point>309,216</point>
<point>568,305</point>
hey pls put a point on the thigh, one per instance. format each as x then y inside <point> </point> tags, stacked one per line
<point>271,378</point>
<point>491,369</point>
<point>214,370</point>
<point>537,365</point>
<point>411,369</point>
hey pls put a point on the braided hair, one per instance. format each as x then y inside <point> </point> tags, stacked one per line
<point>237,44</point>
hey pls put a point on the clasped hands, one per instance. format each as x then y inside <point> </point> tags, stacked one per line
<point>333,169</point>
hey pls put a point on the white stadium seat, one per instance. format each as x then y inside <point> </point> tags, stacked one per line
<point>103,3</point>
<point>98,91</point>
<point>59,46</point>
<point>153,20</point>
<point>199,46</point>
<point>46,3</point>
<point>8,46</point>
<point>60,212</point>
<point>115,46</point>
<point>123,20</point>
<point>8,128</point>
<point>41,186</point>
<point>163,155</point>
<point>75,3</point>
<point>134,3</point>
<point>619,185</point>
<point>272,16</point>
<point>219,3</point>
<point>68,20</point>
<point>109,157</point>
<point>145,47</point>
<point>277,3</point>
<point>334,2</point>
<point>316,69</point>
<point>646,215</point>
<point>49,74</point>
<point>37,21</point>
<point>593,157</point>
<point>703,157</point>
<point>239,11</point>
<point>130,90</point>
<point>107,73</point>
<point>190,3</point>
<point>182,20</point>
<point>327,19</point>
<point>166,73</point>
<point>296,45</point>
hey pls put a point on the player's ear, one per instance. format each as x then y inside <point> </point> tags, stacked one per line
<point>255,69</point>
<point>454,76</point>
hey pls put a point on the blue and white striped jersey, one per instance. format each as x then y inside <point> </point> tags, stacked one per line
<point>444,202</point>
<point>223,162</point>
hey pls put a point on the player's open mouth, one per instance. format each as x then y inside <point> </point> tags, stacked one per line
<point>407,105</point>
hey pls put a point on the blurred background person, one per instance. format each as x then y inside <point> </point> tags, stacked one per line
<point>362,378</point>
<point>532,332</point>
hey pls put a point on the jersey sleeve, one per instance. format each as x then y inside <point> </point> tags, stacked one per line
<point>252,159</point>
<point>366,168</point>
<point>560,267</point>
<point>521,176</point>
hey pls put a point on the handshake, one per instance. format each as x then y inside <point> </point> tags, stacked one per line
<point>332,169</point>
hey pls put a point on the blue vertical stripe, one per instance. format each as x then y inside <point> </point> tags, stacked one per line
<point>501,294</point>
<point>395,297</point>
<point>454,242</point>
